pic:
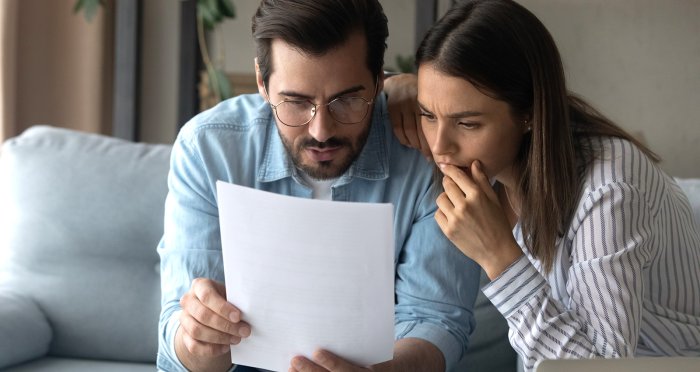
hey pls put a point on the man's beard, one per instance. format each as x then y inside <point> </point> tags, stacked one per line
<point>325,170</point>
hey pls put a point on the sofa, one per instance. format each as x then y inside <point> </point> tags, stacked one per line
<point>80,217</point>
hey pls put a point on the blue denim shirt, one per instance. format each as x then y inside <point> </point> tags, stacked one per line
<point>238,142</point>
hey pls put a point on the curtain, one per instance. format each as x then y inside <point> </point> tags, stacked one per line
<point>56,68</point>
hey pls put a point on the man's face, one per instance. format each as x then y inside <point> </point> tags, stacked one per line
<point>323,148</point>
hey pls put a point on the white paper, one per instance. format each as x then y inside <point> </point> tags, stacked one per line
<point>308,274</point>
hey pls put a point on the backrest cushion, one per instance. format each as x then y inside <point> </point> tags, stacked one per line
<point>81,217</point>
<point>691,187</point>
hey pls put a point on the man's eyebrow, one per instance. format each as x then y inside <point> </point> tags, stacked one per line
<point>293,94</point>
<point>456,115</point>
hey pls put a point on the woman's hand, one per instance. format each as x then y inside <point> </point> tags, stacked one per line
<point>404,111</point>
<point>471,216</point>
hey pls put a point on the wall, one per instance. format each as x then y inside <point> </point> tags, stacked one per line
<point>160,55</point>
<point>638,61</point>
<point>56,67</point>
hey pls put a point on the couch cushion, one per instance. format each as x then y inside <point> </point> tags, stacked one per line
<point>691,187</point>
<point>82,215</point>
<point>25,331</point>
<point>79,365</point>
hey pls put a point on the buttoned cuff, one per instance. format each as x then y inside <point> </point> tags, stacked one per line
<point>439,336</point>
<point>514,287</point>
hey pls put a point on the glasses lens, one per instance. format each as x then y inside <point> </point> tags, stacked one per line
<point>295,113</point>
<point>348,110</point>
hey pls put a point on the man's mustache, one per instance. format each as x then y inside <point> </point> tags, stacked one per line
<point>331,142</point>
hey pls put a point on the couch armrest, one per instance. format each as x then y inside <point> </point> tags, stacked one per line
<point>25,333</point>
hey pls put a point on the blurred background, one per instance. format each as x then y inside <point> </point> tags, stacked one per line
<point>139,69</point>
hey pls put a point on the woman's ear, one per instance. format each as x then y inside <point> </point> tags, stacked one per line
<point>527,123</point>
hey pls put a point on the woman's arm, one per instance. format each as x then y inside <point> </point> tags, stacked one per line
<point>403,111</point>
<point>598,270</point>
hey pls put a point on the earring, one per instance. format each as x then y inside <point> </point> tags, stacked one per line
<point>529,127</point>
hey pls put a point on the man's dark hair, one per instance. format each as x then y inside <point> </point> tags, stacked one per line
<point>316,27</point>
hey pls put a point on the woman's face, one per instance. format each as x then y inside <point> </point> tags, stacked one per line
<point>462,124</point>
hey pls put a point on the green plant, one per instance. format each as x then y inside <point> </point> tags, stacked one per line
<point>209,14</point>
<point>405,64</point>
<point>90,7</point>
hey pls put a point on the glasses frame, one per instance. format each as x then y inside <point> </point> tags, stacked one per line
<point>314,110</point>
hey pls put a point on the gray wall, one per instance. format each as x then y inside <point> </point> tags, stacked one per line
<point>638,61</point>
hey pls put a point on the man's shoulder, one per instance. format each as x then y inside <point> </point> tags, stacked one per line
<point>240,113</point>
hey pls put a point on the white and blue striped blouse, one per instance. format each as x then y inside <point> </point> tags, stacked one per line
<point>626,278</point>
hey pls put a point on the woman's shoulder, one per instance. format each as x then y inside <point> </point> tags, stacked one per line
<point>616,160</point>
<point>618,165</point>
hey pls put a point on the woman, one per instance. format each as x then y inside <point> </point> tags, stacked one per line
<point>592,250</point>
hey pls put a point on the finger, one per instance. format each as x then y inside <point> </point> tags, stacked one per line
<point>444,204</point>
<point>212,295</point>
<point>424,147</point>
<point>331,361</point>
<point>463,180</point>
<point>202,312</point>
<point>411,126</point>
<point>454,192</point>
<point>204,349</point>
<point>483,180</point>
<point>398,125</point>
<point>202,333</point>
<point>302,364</point>
<point>441,220</point>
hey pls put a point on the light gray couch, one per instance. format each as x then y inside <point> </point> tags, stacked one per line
<point>80,216</point>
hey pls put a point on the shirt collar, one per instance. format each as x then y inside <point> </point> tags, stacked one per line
<point>371,164</point>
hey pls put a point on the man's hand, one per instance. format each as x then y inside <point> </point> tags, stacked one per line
<point>323,361</point>
<point>208,326</point>
<point>404,112</point>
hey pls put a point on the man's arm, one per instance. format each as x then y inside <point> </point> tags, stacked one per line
<point>413,354</point>
<point>209,325</point>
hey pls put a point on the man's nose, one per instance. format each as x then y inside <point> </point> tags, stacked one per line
<point>322,126</point>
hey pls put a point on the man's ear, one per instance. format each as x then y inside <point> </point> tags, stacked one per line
<point>259,80</point>
<point>380,81</point>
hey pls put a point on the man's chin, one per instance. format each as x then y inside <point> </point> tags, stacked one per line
<point>323,170</point>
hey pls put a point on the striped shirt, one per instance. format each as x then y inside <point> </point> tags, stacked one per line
<point>626,277</point>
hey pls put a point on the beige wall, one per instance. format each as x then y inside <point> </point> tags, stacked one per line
<point>636,60</point>
<point>57,67</point>
<point>160,53</point>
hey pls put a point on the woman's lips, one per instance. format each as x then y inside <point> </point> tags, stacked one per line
<point>462,168</point>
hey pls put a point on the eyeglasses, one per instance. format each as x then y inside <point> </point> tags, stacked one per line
<point>344,110</point>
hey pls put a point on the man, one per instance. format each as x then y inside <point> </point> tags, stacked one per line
<point>318,129</point>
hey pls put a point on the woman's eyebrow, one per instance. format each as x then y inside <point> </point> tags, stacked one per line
<point>454,115</point>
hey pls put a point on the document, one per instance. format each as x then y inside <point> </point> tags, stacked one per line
<point>308,274</point>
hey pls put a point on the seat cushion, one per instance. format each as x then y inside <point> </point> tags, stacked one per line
<point>81,217</point>
<point>79,365</point>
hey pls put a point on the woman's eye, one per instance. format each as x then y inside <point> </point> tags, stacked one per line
<point>467,125</point>
<point>427,116</point>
